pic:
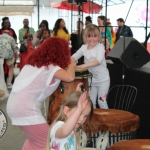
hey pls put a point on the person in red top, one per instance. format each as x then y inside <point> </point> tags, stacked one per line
<point>7,26</point>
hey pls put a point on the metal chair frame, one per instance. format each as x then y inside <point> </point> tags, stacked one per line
<point>125,96</point>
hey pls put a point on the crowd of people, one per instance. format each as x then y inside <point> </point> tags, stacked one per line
<point>47,59</point>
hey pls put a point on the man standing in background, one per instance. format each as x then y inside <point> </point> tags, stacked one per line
<point>123,30</point>
<point>24,33</point>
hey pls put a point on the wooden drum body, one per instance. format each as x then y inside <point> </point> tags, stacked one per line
<point>63,90</point>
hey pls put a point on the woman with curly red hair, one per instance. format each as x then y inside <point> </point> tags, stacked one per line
<point>39,78</point>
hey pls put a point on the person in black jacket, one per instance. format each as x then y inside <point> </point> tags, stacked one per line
<point>123,30</point>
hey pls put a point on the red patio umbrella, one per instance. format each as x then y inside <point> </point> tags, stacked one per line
<point>88,7</point>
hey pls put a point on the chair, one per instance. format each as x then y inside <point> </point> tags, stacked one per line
<point>122,97</point>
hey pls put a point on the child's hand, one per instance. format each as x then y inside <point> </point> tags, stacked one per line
<point>78,88</point>
<point>82,101</point>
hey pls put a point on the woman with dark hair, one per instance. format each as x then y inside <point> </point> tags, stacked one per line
<point>113,34</point>
<point>106,37</point>
<point>88,20</point>
<point>75,42</point>
<point>45,35</point>
<point>37,38</point>
<point>46,67</point>
<point>101,20</point>
<point>60,30</point>
<point>6,26</point>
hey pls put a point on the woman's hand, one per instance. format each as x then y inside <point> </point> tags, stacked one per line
<point>82,102</point>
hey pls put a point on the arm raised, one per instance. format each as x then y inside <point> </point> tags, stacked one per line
<point>71,121</point>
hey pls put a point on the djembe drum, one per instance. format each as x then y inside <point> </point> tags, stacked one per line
<point>119,124</point>
<point>139,144</point>
<point>65,88</point>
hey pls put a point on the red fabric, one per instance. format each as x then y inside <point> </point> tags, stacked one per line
<point>36,136</point>
<point>12,32</point>
<point>88,7</point>
<point>23,59</point>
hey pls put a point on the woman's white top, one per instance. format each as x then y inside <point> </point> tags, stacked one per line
<point>31,87</point>
<point>68,142</point>
<point>100,72</point>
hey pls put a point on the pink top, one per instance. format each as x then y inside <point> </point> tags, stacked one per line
<point>32,86</point>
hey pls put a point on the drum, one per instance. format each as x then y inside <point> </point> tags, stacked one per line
<point>116,124</point>
<point>81,75</point>
<point>139,144</point>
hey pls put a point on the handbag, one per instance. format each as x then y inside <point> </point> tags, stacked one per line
<point>23,48</point>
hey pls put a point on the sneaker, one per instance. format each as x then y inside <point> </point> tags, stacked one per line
<point>9,86</point>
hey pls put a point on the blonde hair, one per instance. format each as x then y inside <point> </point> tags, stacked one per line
<point>91,30</point>
<point>71,101</point>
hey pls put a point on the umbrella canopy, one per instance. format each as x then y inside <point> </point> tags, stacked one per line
<point>88,7</point>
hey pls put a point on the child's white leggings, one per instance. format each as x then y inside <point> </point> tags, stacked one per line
<point>99,91</point>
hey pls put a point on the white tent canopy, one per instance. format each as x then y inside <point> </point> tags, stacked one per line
<point>16,10</point>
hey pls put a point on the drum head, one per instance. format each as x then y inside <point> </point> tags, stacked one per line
<point>80,69</point>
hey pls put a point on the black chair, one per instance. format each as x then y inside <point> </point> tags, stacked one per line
<point>122,97</point>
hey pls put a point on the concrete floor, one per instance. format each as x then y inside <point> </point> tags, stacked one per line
<point>13,138</point>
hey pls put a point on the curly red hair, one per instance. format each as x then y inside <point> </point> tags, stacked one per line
<point>53,51</point>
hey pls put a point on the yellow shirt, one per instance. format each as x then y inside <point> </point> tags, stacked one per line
<point>62,34</point>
